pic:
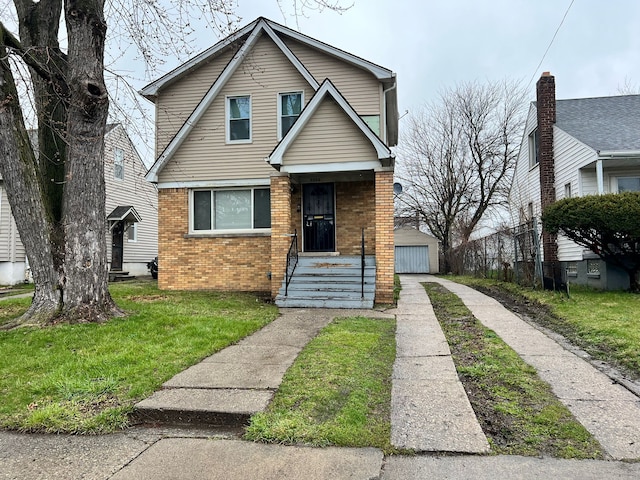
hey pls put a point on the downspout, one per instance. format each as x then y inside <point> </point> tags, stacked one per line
<point>384,108</point>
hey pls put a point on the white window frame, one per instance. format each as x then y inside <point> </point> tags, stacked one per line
<point>132,228</point>
<point>228,119</point>
<point>118,160</point>
<point>567,190</point>
<point>534,143</point>
<point>617,180</point>
<point>193,231</point>
<point>280,95</point>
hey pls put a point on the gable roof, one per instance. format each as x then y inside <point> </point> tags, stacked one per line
<point>248,36</point>
<point>328,89</point>
<point>606,124</point>
<point>383,74</point>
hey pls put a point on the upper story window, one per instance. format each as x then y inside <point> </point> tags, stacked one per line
<point>373,121</point>
<point>534,149</point>
<point>628,184</point>
<point>242,209</point>
<point>118,164</point>
<point>239,119</point>
<point>289,108</point>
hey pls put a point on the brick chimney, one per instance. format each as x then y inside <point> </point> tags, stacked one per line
<point>546,101</point>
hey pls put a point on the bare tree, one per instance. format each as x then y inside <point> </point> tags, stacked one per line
<point>57,191</point>
<point>456,159</point>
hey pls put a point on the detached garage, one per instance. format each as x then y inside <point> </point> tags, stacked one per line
<point>415,252</point>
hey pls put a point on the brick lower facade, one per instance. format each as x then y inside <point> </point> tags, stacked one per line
<point>237,263</point>
<point>245,262</point>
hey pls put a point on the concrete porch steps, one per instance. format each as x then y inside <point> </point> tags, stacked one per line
<point>330,282</point>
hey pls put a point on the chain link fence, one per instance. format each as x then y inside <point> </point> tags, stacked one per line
<point>510,255</point>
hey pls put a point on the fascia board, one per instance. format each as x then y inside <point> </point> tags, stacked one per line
<point>292,58</point>
<point>379,72</point>
<point>202,107</point>
<point>327,88</point>
<point>152,89</point>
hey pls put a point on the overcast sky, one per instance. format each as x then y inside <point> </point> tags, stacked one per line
<point>435,44</point>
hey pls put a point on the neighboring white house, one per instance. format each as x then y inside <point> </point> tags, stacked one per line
<point>595,149</point>
<point>131,214</point>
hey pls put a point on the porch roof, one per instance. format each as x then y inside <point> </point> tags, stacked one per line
<point>124,212</point>
<point>385,158</point>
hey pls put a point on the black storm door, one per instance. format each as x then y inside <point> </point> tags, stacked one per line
<point>319,217</point>
<point>117,243</point>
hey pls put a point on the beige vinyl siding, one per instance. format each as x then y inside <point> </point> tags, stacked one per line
<point>204,155</point>
<point>178,100</point>
<point>361,89</point>
<point>134,190</point>
<point>329,136</point>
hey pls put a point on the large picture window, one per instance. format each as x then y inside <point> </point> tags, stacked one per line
<point>218,210</point>
<point>289,107</point>
<point>239,119</point>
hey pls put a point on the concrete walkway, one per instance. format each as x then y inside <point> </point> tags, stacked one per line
<point>430,411</point>
<point>609,411</point>
<point>233,384</point>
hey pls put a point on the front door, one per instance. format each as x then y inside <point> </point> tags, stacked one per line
<point>319,217</point>
<point>117,237</point>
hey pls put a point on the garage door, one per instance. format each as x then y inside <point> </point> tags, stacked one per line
<point>412,259</point>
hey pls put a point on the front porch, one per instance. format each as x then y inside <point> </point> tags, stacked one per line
<point>334,216</point>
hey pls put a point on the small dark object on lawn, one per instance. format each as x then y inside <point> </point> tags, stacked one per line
<point>152,266</point>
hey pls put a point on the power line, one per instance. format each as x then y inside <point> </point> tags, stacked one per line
<point>550,43</point>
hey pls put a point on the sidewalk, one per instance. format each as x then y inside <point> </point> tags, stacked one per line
<point>429,413</point>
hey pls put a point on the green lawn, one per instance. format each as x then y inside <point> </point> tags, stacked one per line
<point>86,378</point>
<point>604,323</point>
<point>337,392</point>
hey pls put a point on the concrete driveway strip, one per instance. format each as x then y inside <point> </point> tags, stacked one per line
<point>609,411</point>
<point>430,410</point>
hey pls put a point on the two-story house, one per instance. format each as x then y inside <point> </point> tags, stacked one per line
<point>131,214</point>
<point>576,147</point>
<point>267,140</point>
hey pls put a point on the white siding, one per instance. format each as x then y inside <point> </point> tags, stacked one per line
<point>11,248</point>
<point>329,136</point>
<point>204,155</point>
<point>525,188</point>
<point>134,190</point>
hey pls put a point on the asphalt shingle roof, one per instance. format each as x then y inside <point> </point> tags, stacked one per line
<point>603,123</point>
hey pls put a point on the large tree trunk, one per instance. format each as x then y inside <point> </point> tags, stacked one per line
<point>20,177</point>
<point>58,196</point>
<point>86,296</point>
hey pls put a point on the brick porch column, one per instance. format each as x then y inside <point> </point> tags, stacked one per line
<point>280,227</point>
<point>384,235</point>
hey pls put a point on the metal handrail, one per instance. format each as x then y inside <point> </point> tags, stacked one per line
<point>292,261</point>
<point>362,265</point>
